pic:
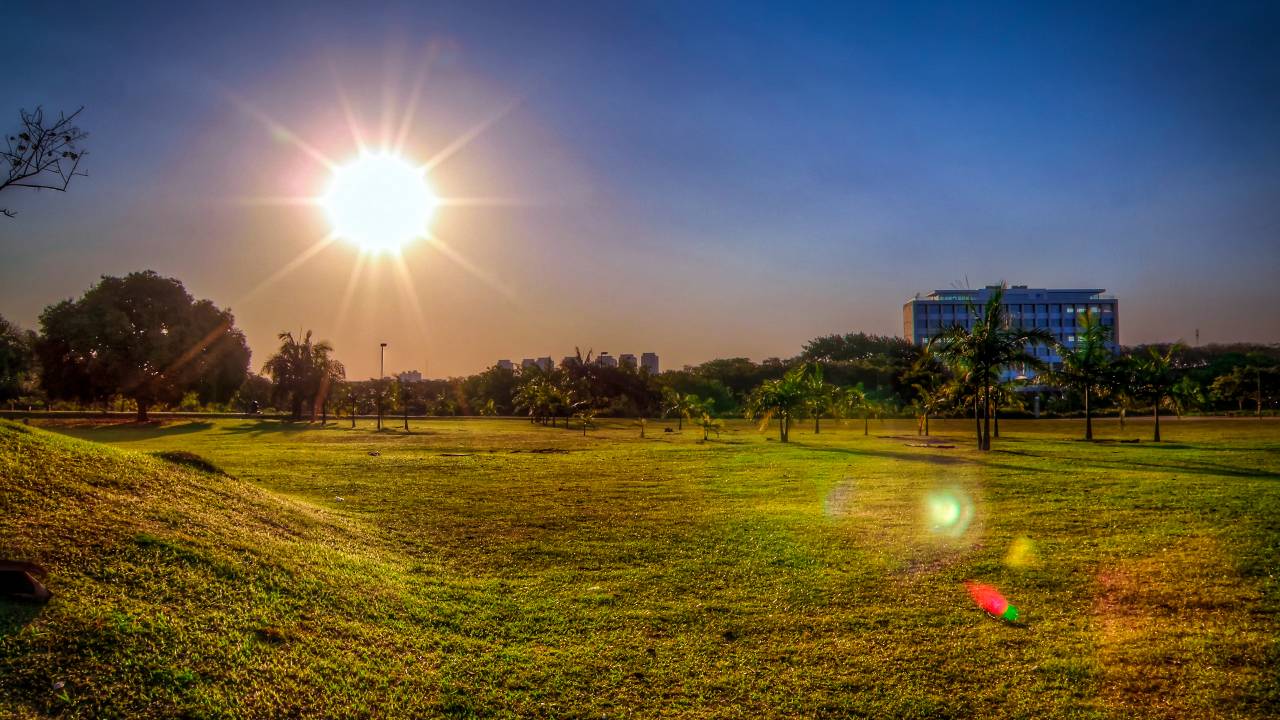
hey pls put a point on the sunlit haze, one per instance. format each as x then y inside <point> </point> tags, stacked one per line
<point>699,181</point>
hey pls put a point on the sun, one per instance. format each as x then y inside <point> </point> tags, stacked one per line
<point>379,202</point>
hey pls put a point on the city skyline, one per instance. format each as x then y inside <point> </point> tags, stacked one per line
<point>709,181</point>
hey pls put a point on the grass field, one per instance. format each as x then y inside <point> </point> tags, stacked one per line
<point>496,568</point>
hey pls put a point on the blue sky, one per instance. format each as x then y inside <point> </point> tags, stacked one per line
<point>698,179</point>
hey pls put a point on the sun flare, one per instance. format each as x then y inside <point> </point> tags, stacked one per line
<point>379,202</point>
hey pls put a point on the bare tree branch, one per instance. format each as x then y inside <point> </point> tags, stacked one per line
<point>42,156</point>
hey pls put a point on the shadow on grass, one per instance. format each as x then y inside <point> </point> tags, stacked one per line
<point>1192,467</point>
<point>271,427</point>
<point>930,457</point>
<point>129,432</point>
<point>16,615</point>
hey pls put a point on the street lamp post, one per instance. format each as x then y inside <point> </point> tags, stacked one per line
<point>382,374</point>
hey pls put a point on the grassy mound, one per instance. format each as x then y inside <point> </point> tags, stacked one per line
<point>191,460</point>
<point>180,593</point>
<point>342,572</point>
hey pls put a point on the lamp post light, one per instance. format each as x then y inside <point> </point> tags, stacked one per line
<point>382,374</point>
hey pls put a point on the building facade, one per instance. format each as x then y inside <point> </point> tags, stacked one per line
<point>409,376</point>
<point>649,362</point>
<point>1055,310</point>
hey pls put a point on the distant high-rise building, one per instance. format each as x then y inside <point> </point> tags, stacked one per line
<point>1055,310</point>
<point>627,360</point>
<point>569,360</point>
<point>545,363</point>
<point>528,363</point>
<point>649,361</point>
<point>409,376</point>
<point>604,359</point>
<point>505,365</point>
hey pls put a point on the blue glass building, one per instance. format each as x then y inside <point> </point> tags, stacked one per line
<point>1056,310</point>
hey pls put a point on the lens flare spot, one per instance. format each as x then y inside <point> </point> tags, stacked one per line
<point>948,512</point>
<point>991,601</point>
<point>1022,554</point>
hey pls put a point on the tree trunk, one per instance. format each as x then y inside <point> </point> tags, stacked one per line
<point>926,423</point>
<point>866,424</point>
<point>1122,417</point>
<point>816,429</point>
<point>1088,416</point>
<point>1155,411</point>
<point>680,423</point>
<point>995,412</point>
<point>977,419</point>
<point>1257,396</point>
<point>143,406</point>
<point>986,421</point>
<point>297,408</point>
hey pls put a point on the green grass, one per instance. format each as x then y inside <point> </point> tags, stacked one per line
<point>457,573</point>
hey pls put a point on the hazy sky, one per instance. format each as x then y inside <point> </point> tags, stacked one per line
<point>697,179</point>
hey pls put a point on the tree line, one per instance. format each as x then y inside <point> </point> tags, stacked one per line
<point>142,342</point>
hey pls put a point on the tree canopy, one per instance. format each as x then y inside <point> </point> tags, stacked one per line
<point>144,337</point>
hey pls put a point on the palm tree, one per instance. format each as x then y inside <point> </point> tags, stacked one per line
<point>819,397</point>
<point>851,400</point>
<point>1157,377</point>
<point>683,406</point>
<point>780,397</point>
<point>1186,394</point>
<point>1004,396</point>
<point>1087,365</point>
<point>1123,385</point>
<point>982,352</point>
<point>301,372</point>
<point>928,378</point>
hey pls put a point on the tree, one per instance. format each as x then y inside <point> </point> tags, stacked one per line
<point>683,405</point>
<point>406,394</point>
<point>1187,394</point>
<point>1123,385</point>
<point>852,400</point>
<point>707,421</point>
<point>302,373</point>
<point>380,391</point>
<point>980,353</point>
<point>780,398</point>
<point>928,379</point>
<point>1156,376</point>
<point>254,394</point>
<point>1086,366</point>
<point>17,359</point>
<point>42,154</point>
<point>141,336</point>
<point>820,397</point>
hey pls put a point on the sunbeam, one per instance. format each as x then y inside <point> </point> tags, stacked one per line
<point>347,112</point>
<point>290,266</point>
<point>411,106</point>
<point>470,267</point>
<point>345,304</point>
<point>278,131</point>
<point>466,137</point>
<point>407,293</point>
